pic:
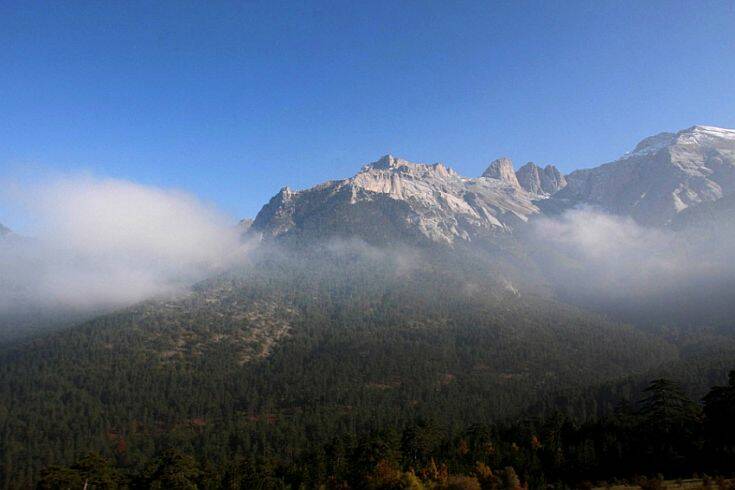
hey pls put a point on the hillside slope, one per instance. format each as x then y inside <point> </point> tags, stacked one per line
<point>301,347</point>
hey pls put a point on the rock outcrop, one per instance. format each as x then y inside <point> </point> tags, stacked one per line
<point>543,182</point>
<point>502,169</point>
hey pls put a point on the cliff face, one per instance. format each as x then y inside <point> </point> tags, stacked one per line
<point>542,181</point>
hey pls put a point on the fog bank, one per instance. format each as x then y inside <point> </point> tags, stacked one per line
<point>106,242</point>
<point>590,253</point>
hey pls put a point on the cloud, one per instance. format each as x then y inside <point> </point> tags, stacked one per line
<point>590,253</point>
<point>105,242</point>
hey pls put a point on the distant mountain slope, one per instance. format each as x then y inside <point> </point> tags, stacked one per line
<point>680,181</point>
<point>712,216</point>
<point>406,290</point>
<point>396,199</point>
<point>303,346</point>
<point>664,175</point>
<point>393,199</point>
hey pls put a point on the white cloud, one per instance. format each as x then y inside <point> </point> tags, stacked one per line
<point>590,253</point>
<point>105,242</point>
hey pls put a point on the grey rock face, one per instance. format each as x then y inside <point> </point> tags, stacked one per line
<point>394,196</point>
<point>664,175</point>
<point>277,215</point>
<point>529,178</point>
<point>543,182</point>
<point>552,180</point>
<point>244,225</point>
<point>502,169</point>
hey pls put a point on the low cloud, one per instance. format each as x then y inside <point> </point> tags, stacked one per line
<point>590,253</point>
<point>104,242</point>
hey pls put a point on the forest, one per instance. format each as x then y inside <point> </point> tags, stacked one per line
<point>664,434</point>
<point>353,370</point>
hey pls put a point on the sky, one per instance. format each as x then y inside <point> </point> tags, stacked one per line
<point>230,101</point>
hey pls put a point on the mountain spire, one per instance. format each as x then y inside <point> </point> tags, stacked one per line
<point>502,169</point>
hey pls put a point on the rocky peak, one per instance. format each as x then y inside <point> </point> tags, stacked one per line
<point>664,175</point>
<point>529,178</point>
<point>552,180</point>
<point>502,169</point>
<point>693,137</point>
<point>705,135</point>
<point>386,162</point>
<point>653,143</point>
<point>285,193</point>
<point>543,182</point>
<point>276,216</point>
<point>430,200</point>
<point>398,165</point>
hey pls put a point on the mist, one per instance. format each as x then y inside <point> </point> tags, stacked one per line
<point>594,256</point>
<point>105,243</point>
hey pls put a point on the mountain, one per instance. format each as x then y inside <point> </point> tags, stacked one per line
<point>715,216</point>
<point>405,291</point>
<point>299,348</point>
<point>395,199</point>
<point>502,169</point>
<point>541,181</point>
<point>664,175</point>
<point>680,182</point>
<point>4,230</point>
<point>244,225</point>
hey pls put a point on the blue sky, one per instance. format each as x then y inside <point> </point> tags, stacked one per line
<point>233,100</point>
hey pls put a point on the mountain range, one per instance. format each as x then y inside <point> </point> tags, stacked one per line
<point>664,175</point>
<point>404,291</point>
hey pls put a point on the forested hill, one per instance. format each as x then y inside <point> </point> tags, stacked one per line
<point>293,351</point>
<point>405,293</point>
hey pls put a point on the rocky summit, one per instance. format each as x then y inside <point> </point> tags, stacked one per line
<point>540,181</point>
<point>664,175</point>
<point>391,195</point>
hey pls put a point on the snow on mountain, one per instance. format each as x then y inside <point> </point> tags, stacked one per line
<point>664,175</point>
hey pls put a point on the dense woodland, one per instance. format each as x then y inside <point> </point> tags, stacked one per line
<point>355,370</point>
<point>664,433</point>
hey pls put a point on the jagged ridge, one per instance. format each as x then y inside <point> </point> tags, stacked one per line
<point>392,197</point>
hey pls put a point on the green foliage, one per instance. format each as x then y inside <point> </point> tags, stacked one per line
<point>171,470</point>
<point>92,472</point>
<point>423,455</point>
<point>303,371</point>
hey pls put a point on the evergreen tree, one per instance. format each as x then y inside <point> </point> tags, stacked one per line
<point>719,411</point>
<point>669,426</point>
